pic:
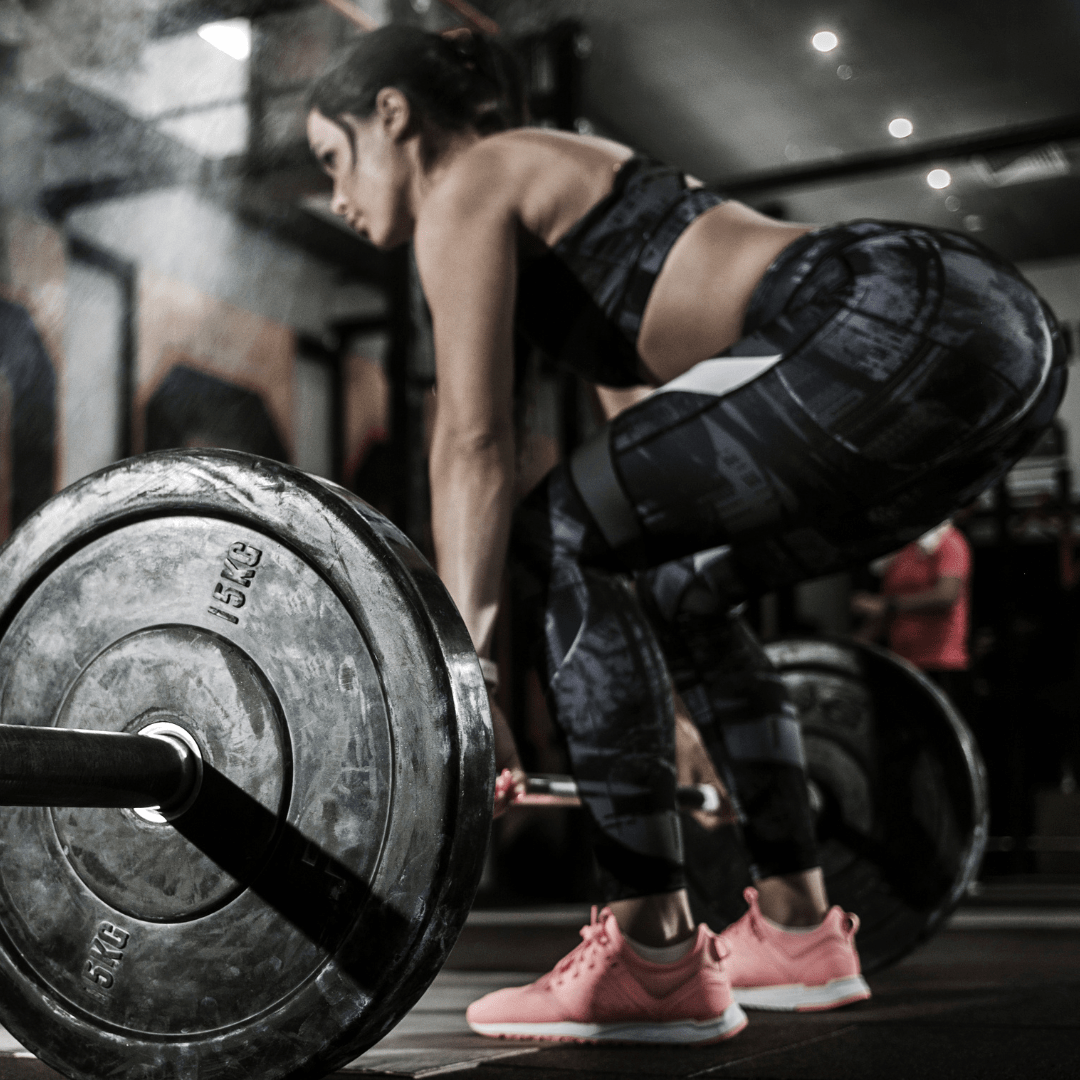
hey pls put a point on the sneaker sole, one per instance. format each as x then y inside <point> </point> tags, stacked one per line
<point>798,997</point>
<point>675,1032</point>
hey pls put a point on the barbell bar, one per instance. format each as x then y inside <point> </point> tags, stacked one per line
<point>45,766</point>
<point>42,766</point>
<point>563,791</point>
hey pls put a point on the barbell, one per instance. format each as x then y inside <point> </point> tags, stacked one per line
<point>245,774</point>
<point>262,645</point>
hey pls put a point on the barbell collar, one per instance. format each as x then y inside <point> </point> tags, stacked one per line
<point>45,766</point>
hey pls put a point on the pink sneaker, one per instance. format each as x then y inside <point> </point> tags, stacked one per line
<point>793,971</point>
<point>604,992</point>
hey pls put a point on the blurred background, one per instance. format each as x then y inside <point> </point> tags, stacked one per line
<point>170,275</point>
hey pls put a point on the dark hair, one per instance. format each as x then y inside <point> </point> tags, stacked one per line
<point>457,82</point>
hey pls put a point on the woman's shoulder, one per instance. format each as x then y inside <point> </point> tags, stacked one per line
<point>538,176</point>
<point>481,183</point>
<point>492,165</point>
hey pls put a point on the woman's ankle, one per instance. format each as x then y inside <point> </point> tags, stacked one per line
<point>794,900</point>
<point>656,921</point>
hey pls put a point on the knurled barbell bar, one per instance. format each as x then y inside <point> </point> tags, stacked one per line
<point>42,766</point>
<point>249,744</point>
<point>563,791</point>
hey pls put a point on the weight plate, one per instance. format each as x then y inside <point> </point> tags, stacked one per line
<point>307,898</point>
<point>898,787</point>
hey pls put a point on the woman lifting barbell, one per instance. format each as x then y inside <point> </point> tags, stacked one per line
<point>823,396</point>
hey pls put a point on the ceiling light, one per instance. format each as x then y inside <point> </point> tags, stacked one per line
<point>233,36</point>
<point>938,178</point>
<point>824,41</point>
<point>900,128</point>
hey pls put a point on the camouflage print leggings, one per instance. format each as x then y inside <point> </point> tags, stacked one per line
<point>897,371</point>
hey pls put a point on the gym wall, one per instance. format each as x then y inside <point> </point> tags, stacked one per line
<point>210,373</point>
<point>33,295</point>
<point>367,418</point>
<point>166,321</point>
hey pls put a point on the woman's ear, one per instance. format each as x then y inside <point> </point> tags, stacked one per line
<point>393,111</point>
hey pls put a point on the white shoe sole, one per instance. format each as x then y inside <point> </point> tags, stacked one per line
<point>798,997</point>
<point>674,1032</point>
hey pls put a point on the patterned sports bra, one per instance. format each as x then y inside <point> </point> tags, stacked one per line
<point>582,301</point>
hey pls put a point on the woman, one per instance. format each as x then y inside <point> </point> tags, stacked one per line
<point>823,396</point>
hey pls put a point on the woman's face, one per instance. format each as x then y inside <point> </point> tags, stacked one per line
<point>371,174</point>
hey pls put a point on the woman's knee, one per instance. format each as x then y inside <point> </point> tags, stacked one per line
<point>552,525</point>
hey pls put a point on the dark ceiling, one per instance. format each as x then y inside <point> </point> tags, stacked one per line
<point>730,89</point>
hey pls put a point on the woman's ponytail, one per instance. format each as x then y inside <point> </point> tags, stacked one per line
<point>501,102</point>
<point>457,81</point>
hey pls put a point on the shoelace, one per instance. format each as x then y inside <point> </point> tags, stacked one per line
<point>594,937</point>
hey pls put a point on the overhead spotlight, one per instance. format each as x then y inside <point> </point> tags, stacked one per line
<point>900,128</point>
<point>824,41</point>
<point>232,36</point>
<point>938,178</point>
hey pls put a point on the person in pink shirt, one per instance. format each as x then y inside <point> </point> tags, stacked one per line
<point>923,607</point>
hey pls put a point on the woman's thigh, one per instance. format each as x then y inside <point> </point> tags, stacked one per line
<point>914,369</point>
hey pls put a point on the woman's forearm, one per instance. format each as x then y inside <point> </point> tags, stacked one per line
<point>472,482</point>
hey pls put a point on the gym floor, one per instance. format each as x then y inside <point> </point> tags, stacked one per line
<point>995,995</point>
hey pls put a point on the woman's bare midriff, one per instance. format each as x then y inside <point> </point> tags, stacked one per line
<point>699,300</point>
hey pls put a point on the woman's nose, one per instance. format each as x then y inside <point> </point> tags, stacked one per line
<point>337,201</point>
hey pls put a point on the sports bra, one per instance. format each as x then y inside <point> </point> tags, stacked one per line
<point>582,301</point>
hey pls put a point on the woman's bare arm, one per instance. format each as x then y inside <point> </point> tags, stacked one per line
<point>467,256</point>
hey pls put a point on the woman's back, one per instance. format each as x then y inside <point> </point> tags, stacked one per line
<point>549,181</point>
